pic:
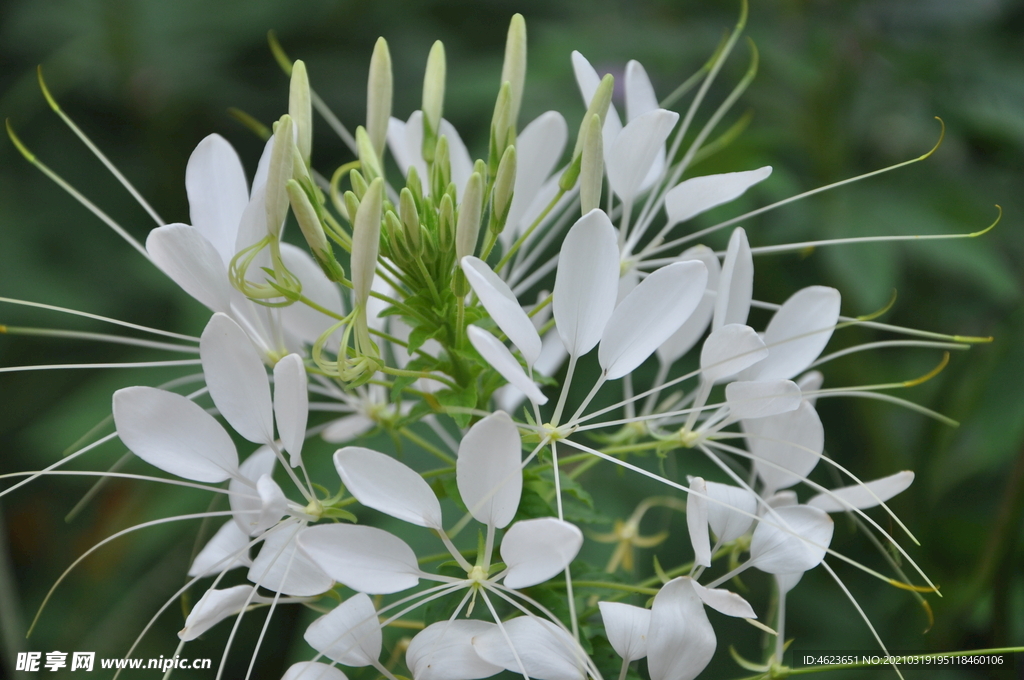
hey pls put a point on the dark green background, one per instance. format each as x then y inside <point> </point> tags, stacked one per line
<point>844,88</point>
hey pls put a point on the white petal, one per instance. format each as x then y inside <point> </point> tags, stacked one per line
<point>458,156</point>
<point>782,499</point>
<point>626,628</point>
<point>380,482</point>
<point>640,97</point>
<point>191,261</point>
<point>259,180</point>
<point>862,496</point>
<point>282,567</point>
<point>775,551</point>
<point>649,315</point>
<point>347,428</point>
<point>535,550</point>
<point>226,550</point>
<point>349,634</point>
<point>547,652</point>
<point>736,286</point>
<point>301,320</point>
<point>291,404</point>
<point>501,303</point>
<point>697,522</point>
<point>793,441</point>
<point>538,148</point>
<point>444,651</point>
<point>405,139</point>
<point>313,670</point>
<point>588,81</point>
<point>810,382</point>
<point>174,434</point>
<point>680,342</point>
<point>212,608</point>
<point>726,516</point>
<point>635,149</point>
<point>798,332</point>
<point>237,379</point>
<point>681,640</point>
<point>501,360</point>
<point>697,194</point>
<point>757,399</point>
<point>246,504</point>
<point>273,503</point>
<point>363,558</point>
<point>252,230</point>
<point>586,283</point>
<point>730,349</point>
<point>725,601</point>
<point>488,470</point>
<point>788,581</point>
<point>217,193</point>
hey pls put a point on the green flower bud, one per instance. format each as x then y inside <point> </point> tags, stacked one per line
<point>599,104</point>
<point>441,170</point>
<point>410,219</point>
<point>312,229</point>
<point>358,184</point>
<point>468,229</point>
<point>592,166</point>
<point>300,108</point>
<point>446,223</point>
<point>366,241</point>
<point>504,186</point>
<point>369,161</point>
<point>433,99</point>
<point>412,181</point>
<point>379,88</point>
<point>513,70</point>
<point>351,206</point>
<point>278,174</point>
<point>501,133</point>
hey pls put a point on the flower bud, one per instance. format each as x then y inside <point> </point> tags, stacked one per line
<point>379,88</point>
<point>468,229</point>
<point>313,230</point>
<point>278,174</point>
<point>358,184</point>
<point>504,186</point>
<point>446,223</point>
<point>366,241</point>
<point>412,181</point>
<point>433,99</point>
<point>501,133</point>
<point>599,104</point>
<point>351,206</point>
<point>410,218</point>
<point>369,161</point>
<point>441,170</point>
<point>513,70</point>
<point>592,166</point>
<point>300,108</point>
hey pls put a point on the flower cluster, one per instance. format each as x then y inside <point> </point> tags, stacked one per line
<point>450,304</point>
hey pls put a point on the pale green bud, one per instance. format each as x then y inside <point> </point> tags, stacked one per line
<point>592,166</point>
<point>481,167</point>
<point>396,235</point>
<point>468,229</point>
<point>278,174</point>
<point>513,71</point>
<point>504,186</point>
<point>412,181</point>
<point>351,205</point>
<point>358,184</point>
<point>500,120</point>
<point>369,161</point>
<point>379,88</point>
<point>366,241</point>
<point>599,104</point>
<point>441,170</point>
<point>300,108</point>
<point>433,99</point>
<point>410,218</point>
<point>446,223</point>
<point>312,229</point>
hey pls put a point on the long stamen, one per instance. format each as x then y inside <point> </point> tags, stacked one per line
<point>124,364</point>
<point>97,317</point>
<point>99,337</point>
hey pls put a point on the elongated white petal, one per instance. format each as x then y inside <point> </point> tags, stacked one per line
<point>687,335</point>
<point>406,143</point>
<point>217,193</point>
<point>273,503</point>
<point>226,550</point>
<point>697,522</point>
<point>587,282</point>
<point>366,559</point>
<point>798,332</point>
<point>725,601</point>
<point>730,349</point>
<point>174,434</point>
<point>349,634</point>
<point>726,516</point>
<point>501,303</point>
<point>538,148</point>
<point>862,496</point>
<point>291,404</point>
<point>547,652</point>
<point>282,567</point>
<point>792,441</point>
<point>192,262</point>
<point>488,470</point>
<point>301,320</point>
<point>380,482</point>
<point>347,428</point>
<point>251,230</point>
<point>501,360</point>
<point>788,581</point>
<point>757,399</point>
<point>775,551</point>
<point>237,379</point>
<point>681,641</point>
<point>212,608</point>
<point>313,670</point>
<point>640,96</point>
<point>458,156</point>
<point>535,550</point>
<point>626,628</point>
<point>444,651</point>
<point>246,504</point>
<point>698,194</point>
<point>635,150</point>
<point>782,499</point>
<point>736,286</point>
<point>649,315</point>
<point>810,382</point>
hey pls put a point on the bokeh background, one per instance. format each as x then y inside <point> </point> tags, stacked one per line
<point>843,88</point>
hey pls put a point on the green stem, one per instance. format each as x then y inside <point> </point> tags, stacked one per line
<point>526,234</point>
<point>424,444</point>
<point>418,374</point>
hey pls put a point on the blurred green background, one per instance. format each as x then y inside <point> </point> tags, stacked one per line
<point>843,88</point>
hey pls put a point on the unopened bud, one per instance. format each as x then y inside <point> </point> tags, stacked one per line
<point>446,223</point>
<point>592,166</point>
<point>358,184</point>
<point>396,235</point>
<point>379,88</point>
<point>300,108</point>
<point>412,181</point>
<point>369,161</point>
<point>366,241</point>
<point>351,205</point>
<point>410,218</point>
<point>312,229</point>
<point>441,170</point>
<point>501,135</point>
<point>513,70</point>
<point>468,229</point>
<point>599,104</point>
<point>433,98</point>
<point>278,174</point>
<point>504,187</point>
